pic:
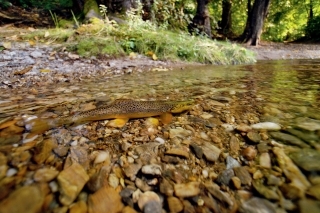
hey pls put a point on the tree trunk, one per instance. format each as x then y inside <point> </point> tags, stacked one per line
<point>226,21</point>
<point>201,21</point>
<point>255,20</point>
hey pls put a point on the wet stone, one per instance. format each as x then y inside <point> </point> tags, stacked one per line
<point>105,199</point>
<point>61,151</point>
<point>179,132</point>
<point>45,174</point>
<point>71,181</point>
<point>309,137</point>
<point>225,177</point>
<point>314,191</point>
<point>289,139</point>
<point>257,205</point>
<point>249,153</point>
<point>265,160</point>
<point>43,150</point>
<point>166,188</point>
<point>151,169</point>
<point>187,189</point>
<point>308,124</point>
<point>178,152</point>
<point>79,207</point>
<point>211,152</point>
<point>197,150</point>
<point>174,204</point>
<point>243,174</point>
<point>234,145</point>
<point>265,191</point>
<point>267,126</point>
<point>309,206</point>
<point>150,202</point>
<point>307,159</point>
<point>254,137</point>
<point>232,163</point>
<point>27,199</point>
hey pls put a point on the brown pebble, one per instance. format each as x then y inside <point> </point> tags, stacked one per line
<point>174,204</point>
<point>79,207</point>
<point>249,153</point>
<point>236,182</point>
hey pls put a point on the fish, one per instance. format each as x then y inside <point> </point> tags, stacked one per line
<point>122,110</point>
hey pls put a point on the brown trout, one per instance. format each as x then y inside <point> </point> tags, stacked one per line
<point>119,109</point>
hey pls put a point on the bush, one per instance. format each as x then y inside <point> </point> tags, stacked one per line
<point>46,5</point>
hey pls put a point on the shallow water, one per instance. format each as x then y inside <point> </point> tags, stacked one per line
<point>284,89</point>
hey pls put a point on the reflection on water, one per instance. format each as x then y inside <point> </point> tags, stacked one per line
<point>292,87</point>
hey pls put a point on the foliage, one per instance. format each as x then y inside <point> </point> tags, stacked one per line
<point>175,14</point>
<point>102,37</point>
<point>47,5</point>
<point>4,4</point>
<point>312,29</point>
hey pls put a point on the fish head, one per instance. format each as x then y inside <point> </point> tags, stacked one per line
<point>181,106</point>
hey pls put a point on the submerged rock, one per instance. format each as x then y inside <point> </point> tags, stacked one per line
<point>71,181</point>
<point>289,139</point>
<point>28,199</point>
<point>267,126</point>
<point>307,159</point>
<point>257,205</point>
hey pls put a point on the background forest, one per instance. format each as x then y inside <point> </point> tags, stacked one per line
<point>286,20</point>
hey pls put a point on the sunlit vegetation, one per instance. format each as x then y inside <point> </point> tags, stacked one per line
<point>105,37</point>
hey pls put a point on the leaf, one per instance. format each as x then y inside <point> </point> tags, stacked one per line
<point>6,45</point>
<point>32,43</point>
<point>154,57</point>
<point>23,71</point>
<point>45,70</point>
<point>132,55</point>
<point>46,34</point>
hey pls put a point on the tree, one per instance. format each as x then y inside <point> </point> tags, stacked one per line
<point>256,17</point>
<point>226,21</point>
<point>201,21</point>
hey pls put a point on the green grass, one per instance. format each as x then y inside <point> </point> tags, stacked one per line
<point>145,38</point>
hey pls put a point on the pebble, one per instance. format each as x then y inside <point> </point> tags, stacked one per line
<point>106,199</point>
<point>225,177</point>
<point>45,174</point>
<point>27,199</point>
<point>232,163</point>
<point>265,160</point>
<point>150,202</point>
<point>257,205</point>
<point>308,124</point>
<point>178,152</point>
<point>211,152</point>
<point>142,185</point>
<point>179,132</point>
<point>309,206</point>
<point>243,128</point>
<point>71,181</point>
<point>166,188</point>
<point>249,153</point>
<point>101,157</point>
<point>151,169</point>
<point>234,145</point>
<point>236,182</point>
<point>11,172</point>
<point>159,140</point>
<point>264,190</point>
<point>243,174</point>
<point>197,150</point>
<point>190,189</point>
<point>254,137</point>
<point>289,139</point>
<point>307,159</point>
<point>174,204</point>
<point>79,207</point>
<point>113,180</point>
<point>267,126</point>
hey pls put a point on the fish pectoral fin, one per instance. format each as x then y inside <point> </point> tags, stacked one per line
<point>166,118</point>
<point>119,122</point>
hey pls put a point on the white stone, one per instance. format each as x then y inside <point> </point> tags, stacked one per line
<point>152,169</point>
<point>11,172</point>
<point>159,140</point>
<point>101,157</point>
<point>266,125</point>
